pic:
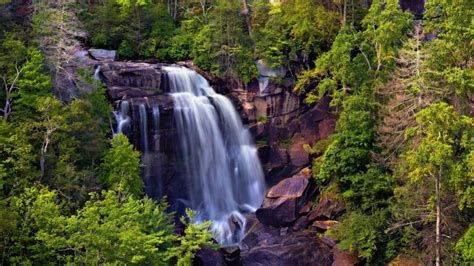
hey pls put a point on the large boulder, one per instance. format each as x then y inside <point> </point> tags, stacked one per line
<point>327,208</point>
<point>283,201</point>
<point>209,257</point>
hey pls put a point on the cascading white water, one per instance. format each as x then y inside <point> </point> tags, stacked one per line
<point>122,116</point>
<point>97,73</point>
<point>224,175</point>
<point>143,128</point>
<point>156,118</point>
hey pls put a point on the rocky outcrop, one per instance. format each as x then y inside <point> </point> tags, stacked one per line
<point>281,138</point>
<point>327,208</point>
<point>272,246</point>
<point>131,79</point>
<point>283,201</point>
<point>287,227</point>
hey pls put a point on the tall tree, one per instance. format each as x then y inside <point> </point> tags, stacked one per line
<point>58,30</point>
<point>437,154</point>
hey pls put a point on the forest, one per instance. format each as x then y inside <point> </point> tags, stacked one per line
<point>400,158</point>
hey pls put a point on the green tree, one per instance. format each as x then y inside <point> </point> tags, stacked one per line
<point>465,247</point>
<point>109,229</point>
<point>297,29</point>
<point>451,53</point>
<point>222,46</point>
<point>349,152</point>
<point>34,83</point>
<point>362,233</point>
<point>436,156</point>
<point>14,55</point>
<point>196,235</point>
<point>135,28</point>
<point>121,167</point>
<point>358,59</point>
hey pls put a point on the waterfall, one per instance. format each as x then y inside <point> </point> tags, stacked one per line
<point>143,128</point>
<point>122,116</point>
<point>97,73</point>
<point>156,118</point>
<point>223,172</point>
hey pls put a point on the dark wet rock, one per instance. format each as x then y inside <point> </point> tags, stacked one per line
<point>306,208</point>
<point>258,130</point>
<point>328,240</point>
<point>131,79</point>
<point>344,258</point>
<point>302,223</point>
<point>267,246</point>
<point>298,155</point>
<point>209,257</point>
<point>283,201</point>
<point>231,255</point>
<point>264,153</point>
<point>327,208</point>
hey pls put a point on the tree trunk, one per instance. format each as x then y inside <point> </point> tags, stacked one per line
<point>7,109</point>
<point>438,221</point>
<point>245,11</point>
<point>344,16</point>
<point>44,150</point>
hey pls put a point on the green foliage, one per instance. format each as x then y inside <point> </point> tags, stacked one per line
<point>134,28</point>
<point>121,167</point>
<point>222,45</point>
<point>443,136</point>
<point>108,229</point>
<point>440,153</point>
<point>361,233</point>
<point>370,190</point>
<point>18,158</point>
<point>196,235</point>
<point>297,28</point>
<point>357,59</point>
<point>262,119</point>
<point>465,247</point>
<point>349,152</point>
<point>33,84</point>
<point>385,25</point>
<point>111,228</point>
<point>451,52</point>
